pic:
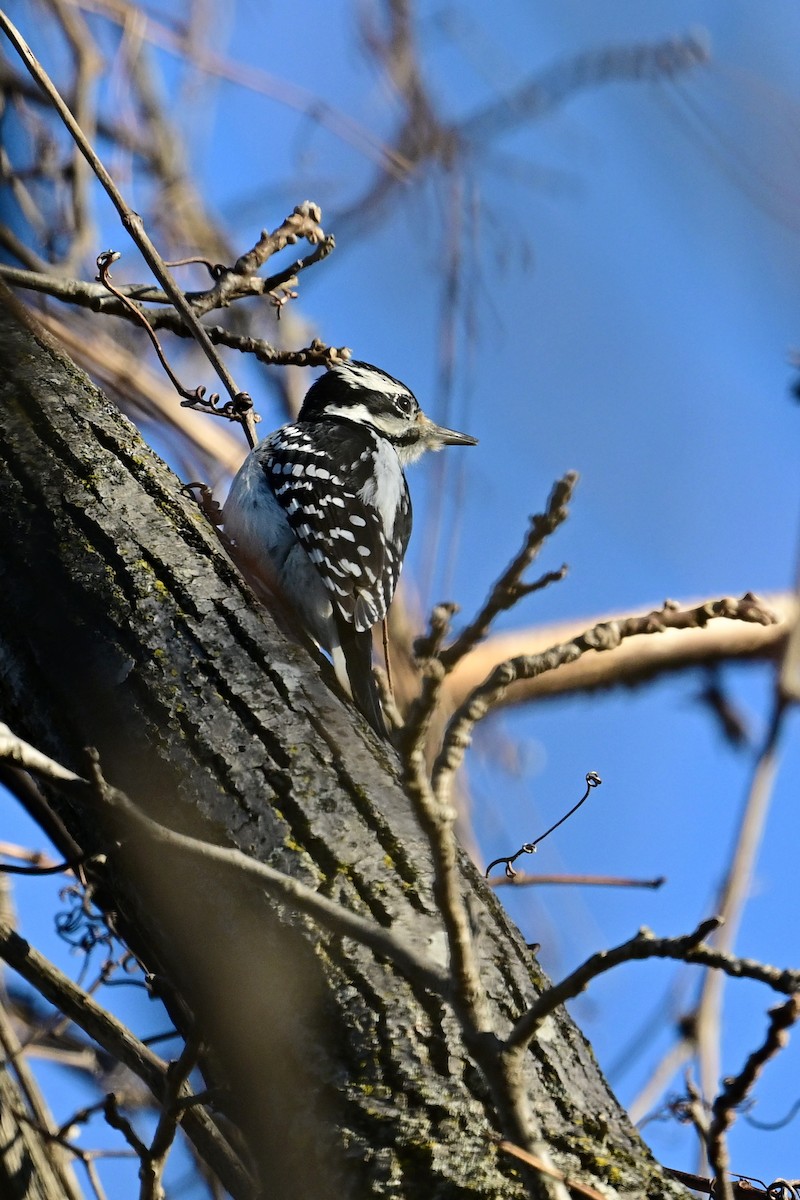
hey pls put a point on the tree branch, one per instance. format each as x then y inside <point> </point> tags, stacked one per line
<point>630,664</point>
<point>131,220</point>
<point>119,1042</point>
<point>607,635</point>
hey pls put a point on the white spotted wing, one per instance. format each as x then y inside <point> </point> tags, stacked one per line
<point>323,475</point>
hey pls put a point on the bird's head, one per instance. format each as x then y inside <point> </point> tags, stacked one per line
<point>366,395</point>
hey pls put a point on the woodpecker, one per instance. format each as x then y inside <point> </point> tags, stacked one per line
<point>320,511</point>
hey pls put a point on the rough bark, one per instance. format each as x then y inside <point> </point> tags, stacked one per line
<point>124,626</point>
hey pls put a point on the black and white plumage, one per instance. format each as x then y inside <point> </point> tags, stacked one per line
<point>320,509</point>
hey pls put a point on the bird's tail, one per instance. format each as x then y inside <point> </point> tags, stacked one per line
<point>356,652</point>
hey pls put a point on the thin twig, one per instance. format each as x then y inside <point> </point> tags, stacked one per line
<point>260,81</point>
<point>741,1191</point>
<point>539,1164</point>
<point>14,1058</point>
<point>593,780</point>
<point>509,588</point>
<point>733,894</point>
<point>520,879</point>
<point>549,89</point>
<point>644,945</point>
<point>95,297</point>
<point>104,262</point>
<point>152,1169</point>
<point>115,1119</point>
<point>88,61</point>
<point>86,1157</point>
<point>50,869</point>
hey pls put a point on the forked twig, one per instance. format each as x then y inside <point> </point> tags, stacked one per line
<point>736,1089</point>
<point>509,588</point>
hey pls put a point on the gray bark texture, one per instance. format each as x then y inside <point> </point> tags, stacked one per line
<point>124,626</point>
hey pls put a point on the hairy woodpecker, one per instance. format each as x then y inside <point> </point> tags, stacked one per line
<point>320,510</point>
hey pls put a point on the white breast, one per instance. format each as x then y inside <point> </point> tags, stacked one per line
<point>385,487</point>
<point>252,516</point>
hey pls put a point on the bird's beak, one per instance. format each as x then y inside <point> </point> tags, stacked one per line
<point>445,437</point>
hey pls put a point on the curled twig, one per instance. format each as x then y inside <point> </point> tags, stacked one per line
<point>238,408</point>
<point>593,780</point>
<point>104,262</point>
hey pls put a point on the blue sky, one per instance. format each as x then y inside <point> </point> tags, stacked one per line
<point>633,312</point>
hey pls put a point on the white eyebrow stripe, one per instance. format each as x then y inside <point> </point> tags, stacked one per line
<point>373,380</point>
<point>354,412</point>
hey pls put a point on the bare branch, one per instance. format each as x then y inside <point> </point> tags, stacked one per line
<point>130,219</point>
<point>509,588</point>
<point>507,591</point>
<point>550,89</point>
<point>257,80</point>
<point>88,62</point>
<point>520,879</point>
<point>533,1160</point>
<point>631,663</point>
<point>735,1091</point>
<point>437,820</point>
<point>116,1120</point>
<point>733,893</point>
<point>35,868</point>
<point>602,637</point>
<point>330,915</point>
<point>152,1169</point>
<point>644,945</point>
<point>36,1109</point>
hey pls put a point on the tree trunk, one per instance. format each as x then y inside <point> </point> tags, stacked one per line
<point>124,626</point>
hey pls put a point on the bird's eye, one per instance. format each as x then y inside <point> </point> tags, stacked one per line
<point>405,404</point>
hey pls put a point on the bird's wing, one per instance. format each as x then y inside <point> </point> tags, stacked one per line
<point>342,535</point>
